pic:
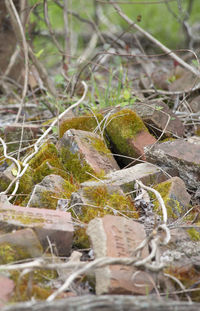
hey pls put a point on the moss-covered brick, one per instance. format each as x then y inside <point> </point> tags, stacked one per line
<point>121,128</point>
<point>172,204</point>
<point>87,122</point>
<point>76,165</point>
<point>101,201</point>
<point>49,166</point>
<point>47,151</point>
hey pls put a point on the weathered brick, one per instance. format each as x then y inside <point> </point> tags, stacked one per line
<point>116,236</point>
<point>148,173</point>
<point>56,225</point>
<point>89,149</point>
<point>175,196</point>
<point>128,136</point>
<point>47,193</point>
<point>157,115</point>
<point>7,288</point>
<point>22,244</point>
<point>179,155</point>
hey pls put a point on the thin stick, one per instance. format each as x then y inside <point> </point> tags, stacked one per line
<point>37,145</point>
<point>154,40</point>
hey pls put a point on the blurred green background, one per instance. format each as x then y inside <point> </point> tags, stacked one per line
<point>155,18</point>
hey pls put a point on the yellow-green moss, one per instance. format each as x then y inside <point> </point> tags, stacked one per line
<point>49,199</point>
<point>107,203</point>
<point>197,132</point>
<point>47,151</point>
<point>173,206</point>
<point>32,285</point>
<point>194,234</point>
<point>188,276</point>
<point>99,145</point>
<point>86,122</point>
<point>76,165</point>
<point>104,203</point>
<point>48,167</point>
<point>167,139</point>
<point>10,253</point>
<point>122,126</point>
<point>20,217</point>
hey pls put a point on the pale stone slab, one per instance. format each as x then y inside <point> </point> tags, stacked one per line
<point>148,173</point>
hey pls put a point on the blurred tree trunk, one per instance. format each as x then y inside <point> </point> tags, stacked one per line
<point>8,43</point>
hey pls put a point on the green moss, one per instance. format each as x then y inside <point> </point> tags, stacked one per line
<point>47,151</point>
<point>122,126</point>
<point>86,123</point>
<point>49,166</point>
<point>173,206</point>
<point>10,253</point>
<point>102,203</point>
<point>99,145</point>
<point>39,288</point>
<point>49,198</point>
<point>76,165</point>
<point>23,219</point>
<point>197,132</point>
<point>194,234</point>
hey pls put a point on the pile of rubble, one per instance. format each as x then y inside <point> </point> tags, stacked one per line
<point>80,200</point>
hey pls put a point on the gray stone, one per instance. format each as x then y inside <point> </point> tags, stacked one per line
<point>179,155</point>
<point>148,173</point>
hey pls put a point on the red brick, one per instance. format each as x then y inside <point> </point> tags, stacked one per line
<point>157,115</point>
<point>22,244</point>
<point>7,288</point>
<point>86,146</point>
<point>125,178</point>
<point>116,236</point>
<point>56,225</point>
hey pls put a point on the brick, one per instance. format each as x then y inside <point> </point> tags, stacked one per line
<point>157,115</point>
<point>125,178</point>
<point>89,148</point>
<point>175,196</point>
<point>179,155</point>
<point>48,191</point>
<point>6,177</point>
<point>22,244</point>
<point>128,136</point>
<point>56,225</point>
<point>101,199</point>
<point>7,289</point>
<point>116,236</point>
<point>185,80</point>
<point>195,104</point>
